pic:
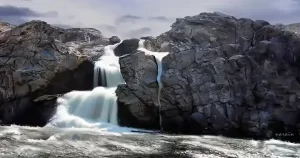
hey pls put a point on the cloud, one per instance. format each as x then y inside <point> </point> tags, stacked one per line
<point>49,14</point>
<point>139,32</point>
<point>128,19</point>
<point>12,20</point>
<point>23,12</point>
<point>62,26</point>
<point>160,18</point>
<point>131,18</point>
<point>17,15</point>
<point>279,11</point>
<point>17,11</point>
<point>110,28</point>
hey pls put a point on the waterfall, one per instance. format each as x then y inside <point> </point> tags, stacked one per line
<point>158,57</point>
<point>109,68</point>
<point>97,107</point>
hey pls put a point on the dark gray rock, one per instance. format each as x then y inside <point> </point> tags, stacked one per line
<point>114,40</point>
<point>37,59</point>
<point>127,47</point>
<point>223,74</point>
<point>174,124</point>
<point>198,123</point>
<point>80,35</point>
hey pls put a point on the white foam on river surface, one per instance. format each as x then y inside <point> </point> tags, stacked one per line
<point>51,141</point>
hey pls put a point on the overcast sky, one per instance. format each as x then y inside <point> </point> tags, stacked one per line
<point>136,18</point>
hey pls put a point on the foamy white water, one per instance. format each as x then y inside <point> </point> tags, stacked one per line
<point>97,108</point>
<point>85,108</point>
<point>34,142</point>
<point>109,68</point>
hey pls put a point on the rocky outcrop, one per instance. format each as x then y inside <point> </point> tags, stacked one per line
<point>136,97</point>
<point>5,27</point>
<point>223,75</point>
<point>128,46</point>
<point>114,40</point>
<point>292,27</point>
<point>37,59</point>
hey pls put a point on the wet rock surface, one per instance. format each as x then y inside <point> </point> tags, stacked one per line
<point>37,59</point>
<point>114,40</point>
<point>128,46</point>
<point>222,75</point>
<point>138,98</point>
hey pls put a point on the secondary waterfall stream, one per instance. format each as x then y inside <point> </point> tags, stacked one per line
<point>158,58</point>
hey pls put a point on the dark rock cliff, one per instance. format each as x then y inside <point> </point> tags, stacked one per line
<point>39,60</point>
<point>223,76</point>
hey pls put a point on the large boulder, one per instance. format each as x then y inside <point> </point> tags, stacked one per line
<point>222,75</point>
<point>38,60</point>
<point>140,99</point>
<point>128,46</point>
<point>114,40</point>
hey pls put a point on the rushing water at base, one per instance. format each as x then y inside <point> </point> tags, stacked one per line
<point>29,142</point>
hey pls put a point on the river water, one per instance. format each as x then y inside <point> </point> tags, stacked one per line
<point>48,142</point>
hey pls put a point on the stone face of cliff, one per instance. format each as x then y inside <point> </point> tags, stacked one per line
<point>223,75</point>
<point>37,59</point>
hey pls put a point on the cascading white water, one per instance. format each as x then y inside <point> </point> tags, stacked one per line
<point>158,57</point>
<point>109,68</point>
<point>97,107</point>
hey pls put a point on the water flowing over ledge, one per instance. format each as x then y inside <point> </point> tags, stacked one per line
<point>97,108</point>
